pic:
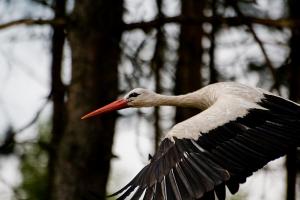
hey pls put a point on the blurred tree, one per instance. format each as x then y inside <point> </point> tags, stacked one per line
<point>213,74</point>
<point>84,152</point>
<point>57,90</point>
<point>188,70</point>
<point>157,65</point>
<point>294,88</point>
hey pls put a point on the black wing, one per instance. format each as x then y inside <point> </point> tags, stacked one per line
<point>226,156</point>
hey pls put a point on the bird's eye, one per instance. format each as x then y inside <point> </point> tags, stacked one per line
<point>134,94</point>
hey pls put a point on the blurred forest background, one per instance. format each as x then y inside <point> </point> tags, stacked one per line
<point>62,58</point>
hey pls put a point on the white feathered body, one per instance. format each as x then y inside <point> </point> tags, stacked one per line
<point>221,103</point>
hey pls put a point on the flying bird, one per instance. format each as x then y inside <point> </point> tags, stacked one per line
<point>238,130</point>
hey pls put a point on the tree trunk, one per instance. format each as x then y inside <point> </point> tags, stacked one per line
<point>291,161</point>
<point>157,65</point>
<point>57,91</point>
<point>188,72</point>
<point>84,152</point>
<point>213,74</point>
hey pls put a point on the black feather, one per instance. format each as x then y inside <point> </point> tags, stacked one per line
<point>220,191</point>
<point>138,194</point>
<point>149,193</point>
<point>174,185</point>
<point>184,180</point>
<point>187,169</point>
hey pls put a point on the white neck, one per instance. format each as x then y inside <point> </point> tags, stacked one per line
<point>194,99</point>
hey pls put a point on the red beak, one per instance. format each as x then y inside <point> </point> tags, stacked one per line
<point>116,105</point>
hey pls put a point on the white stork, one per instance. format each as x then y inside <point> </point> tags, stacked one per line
<point>239,130</point>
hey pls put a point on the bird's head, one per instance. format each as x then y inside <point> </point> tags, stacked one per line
<point>136,98</point>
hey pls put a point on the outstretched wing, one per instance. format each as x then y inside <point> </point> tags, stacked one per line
<point>225,156</point>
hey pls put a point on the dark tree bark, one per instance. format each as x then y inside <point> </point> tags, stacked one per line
<point>291,161</point>
<point>188,72</point>
<point>84,152</point>
<point>213,74</point>
<point>157,65</point>
<point>57,91</point>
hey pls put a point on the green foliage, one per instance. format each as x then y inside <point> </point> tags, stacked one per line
<point>34,164</point>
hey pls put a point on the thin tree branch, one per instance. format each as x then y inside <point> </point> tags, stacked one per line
<point>35,118</point>
<point>44,3</point>
<point>260,44</point>
<point>136,62</point>
<point>147,25</point>
<point>267,59</point>
<point>54,22</point>
<point>232,21</point>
